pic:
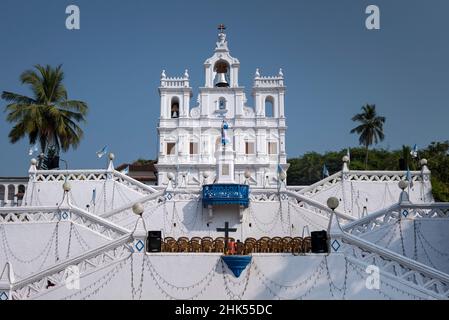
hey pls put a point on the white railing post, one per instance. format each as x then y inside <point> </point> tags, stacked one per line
<point>345,185</point>
<point>425,172</point>
<point>110,169</point>
<point>33,170</point>
<point>334,231</point>
<point>426,187</point>
<point>336,260</point>
<point>140,230</point>
<point>6,281</point>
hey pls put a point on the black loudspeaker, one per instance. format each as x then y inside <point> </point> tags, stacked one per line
<point>319,241</point>
<point>154,241</point>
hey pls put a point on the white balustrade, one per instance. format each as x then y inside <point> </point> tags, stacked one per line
<point>412,273</point>
<point>97,259</point>
<point>12,191</point>
<point>395,212</point>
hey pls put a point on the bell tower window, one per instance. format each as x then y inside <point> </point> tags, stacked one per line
<point>174,111</point>
<point>222,74</point>
<point>269,107</point>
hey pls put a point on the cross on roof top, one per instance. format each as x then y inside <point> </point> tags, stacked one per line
<point>221,27</point>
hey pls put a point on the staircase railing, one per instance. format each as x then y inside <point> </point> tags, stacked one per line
<point>91,175</point>
<point>411,272</point>
<point>321,185</point>
<point>391,214</point>
<point>317,207</point>
<point>83,218</point>
<point>133,183</point>
<point>57,276</point>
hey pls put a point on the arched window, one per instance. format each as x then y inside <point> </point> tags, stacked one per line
<point>2,192</point>
<point>222,103</point>
<point>21,192</point>
<point>11,192</point>
<point>222,74</point>
<point>269,107</point>
<point>174,111</point>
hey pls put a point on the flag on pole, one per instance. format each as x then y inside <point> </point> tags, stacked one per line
<point>414,152</point>
<point>348,154</point>
<point>280,169</point>
<point>126,170</point>
<point>409,177</point>
<point>325,171</point>
<point>102,152</point>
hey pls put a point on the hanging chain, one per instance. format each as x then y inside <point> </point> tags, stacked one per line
<point>415,249</point>
<point>70,240</point>
<point>57,242</point>
<point>402,237</point>
<point>113,195</point>
<point>104,197</point>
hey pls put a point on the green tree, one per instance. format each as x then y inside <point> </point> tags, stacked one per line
<point>48,117</point>
<point>370,129</point>
<point>437,154</point>
<point>307,169</point>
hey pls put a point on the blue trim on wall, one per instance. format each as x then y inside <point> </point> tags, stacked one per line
<point>237,263</point>
<point>219,194</point>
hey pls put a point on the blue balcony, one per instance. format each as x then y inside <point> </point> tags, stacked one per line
<point>219,194</point>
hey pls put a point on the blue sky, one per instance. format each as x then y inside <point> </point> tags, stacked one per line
<point>332,66</point>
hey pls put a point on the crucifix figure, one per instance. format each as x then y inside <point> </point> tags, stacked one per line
<point>221,27</point>
<point>226,230</point>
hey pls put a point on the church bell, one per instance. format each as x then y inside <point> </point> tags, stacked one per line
<point>221,80</point>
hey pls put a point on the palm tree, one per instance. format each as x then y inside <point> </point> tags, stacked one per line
<point>370,129</point>
<point>48,117</point>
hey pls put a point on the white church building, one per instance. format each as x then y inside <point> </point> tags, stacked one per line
<point>190,135</point>
<point>222,223</point>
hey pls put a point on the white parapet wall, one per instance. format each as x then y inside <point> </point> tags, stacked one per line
<point>269,276</point>
<point>96,191</point>
<point>364,192</point>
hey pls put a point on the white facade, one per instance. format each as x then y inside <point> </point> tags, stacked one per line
<point>94,223</point>
<point>190,136</point>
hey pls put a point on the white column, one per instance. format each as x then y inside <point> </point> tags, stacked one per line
<point>185,104</point>
<point>208,76</point>
<point>204,105</point>
<point>282,142</point>
<point>239,104</point>
<point>164,106</point>
<point>281,105</point>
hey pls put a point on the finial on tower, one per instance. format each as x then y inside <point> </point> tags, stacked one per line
<point>222,44</point>
<point>281,73</point>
